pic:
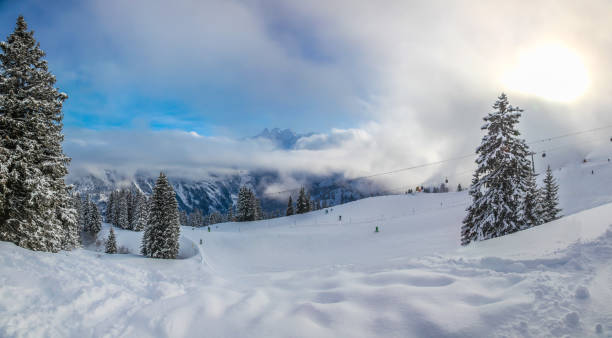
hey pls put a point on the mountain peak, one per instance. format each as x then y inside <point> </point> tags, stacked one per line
<point>282,138</point>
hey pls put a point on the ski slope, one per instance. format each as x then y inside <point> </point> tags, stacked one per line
<point>319,275</point>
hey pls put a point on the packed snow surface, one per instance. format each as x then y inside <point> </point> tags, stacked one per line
<point>329,274</point>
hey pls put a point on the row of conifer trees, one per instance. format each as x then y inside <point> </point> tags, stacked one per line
<point>128,209</point>
<point>131,210</point>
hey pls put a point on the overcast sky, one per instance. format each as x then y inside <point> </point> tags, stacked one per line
<point>178,85</point>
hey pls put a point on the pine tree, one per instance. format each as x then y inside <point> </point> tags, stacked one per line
<point>77,204</point>
<point>117,207</point>
<point>161,236</point>
<point>459,187</point>
<point>111,242</point>
<point>258,211</point>
<point>468,231</point>
<point>215,218</point>
<point>501,177</point>
<point>196,219</point>
<point>95,220</point>
<point>86,214</point>
<point>230,214</point>
<point>245,205</point>
<point>252,206</point>
<point>123,221</point>
<point>108,215</point>
<point>289,207</point>
<point>183,217</point>
<point>532,213</point>
<point>309,206</point>
<point>550,199</point>
<point>132,198</point>
<point>302,204</point>
<point>142,213</point>
<point>35,206</point>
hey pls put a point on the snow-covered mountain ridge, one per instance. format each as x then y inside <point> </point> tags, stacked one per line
<point>219,193</point>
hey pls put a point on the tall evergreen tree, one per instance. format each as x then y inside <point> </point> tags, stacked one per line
<point>302,205</point>
<point>95,220</point>
<point>230,214</point>
<point>142,213</point>
<point>245,209</point>
<point>252,215</point>
<point>86,214</point>
<point>183,217</point>
<point>196,219</point>
<point>109,214</point>
<point>35,207</point>
<point>123,221</point>
<point>111,242</point>
<point>132,198</point>
<point>309,206</point>
<point>532,208</point>
<point>501,177</point>
<point>77,204</point>
<point>550,199</point>
<point>289,207</point>
<point>259,215</point>
<point>161,236</point>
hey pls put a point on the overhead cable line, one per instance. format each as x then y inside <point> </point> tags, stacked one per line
<point>423,165</point>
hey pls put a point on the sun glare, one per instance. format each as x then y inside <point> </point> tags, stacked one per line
<point>553,72</point>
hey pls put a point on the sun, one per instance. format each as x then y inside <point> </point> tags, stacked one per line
<point>551,71</point>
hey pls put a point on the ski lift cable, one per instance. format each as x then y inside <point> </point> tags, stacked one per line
<point>428,164</point>
<point>548,139</point>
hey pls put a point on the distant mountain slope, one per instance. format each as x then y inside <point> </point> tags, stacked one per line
<point>219,193</point>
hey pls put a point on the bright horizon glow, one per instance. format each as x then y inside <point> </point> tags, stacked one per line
<point>553,71</point>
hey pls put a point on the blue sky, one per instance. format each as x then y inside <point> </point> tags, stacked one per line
<point>382,85</point>
<point>100,62</point>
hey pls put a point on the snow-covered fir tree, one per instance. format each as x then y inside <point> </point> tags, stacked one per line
<point>501,177</point>
<point>468,233</point>
<point>214,218</point>
<point>230,214</point>
<point>132,201</point>
<point>550,199</point>
<point>122,206</point>
<point>108,215</point>
<point>196,219</point>
<point>111,242</point>
<point>255,213</point>
<point>289,207</point>
<point>35,206</point>
<point>532,208</point>
<point>245,208</point>
<point>258,210</point>
<point>77,204</point>
<point>85,214</point>
<point>302,204</point>
<point>142,213</point>
<point>183,217</point>
<point>161,236</point>
<point>95,220</point>
<point>308,202</point>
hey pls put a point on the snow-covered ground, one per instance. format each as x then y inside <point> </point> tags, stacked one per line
<point>316,275</point>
